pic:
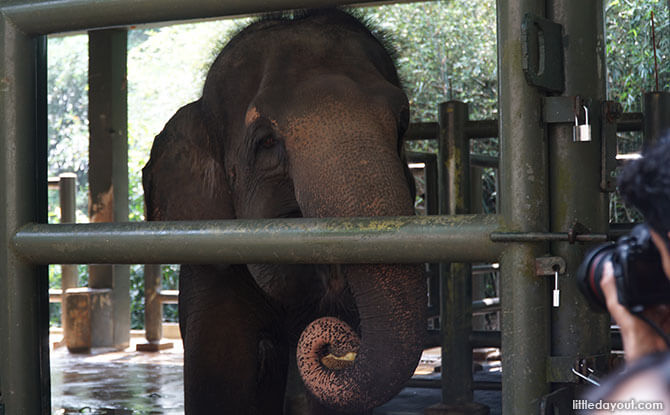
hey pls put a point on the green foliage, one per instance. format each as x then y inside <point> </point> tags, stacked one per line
<point>631,70</point>
<point>67,98</point>
<point>630,55</point>
<point>446,51</point>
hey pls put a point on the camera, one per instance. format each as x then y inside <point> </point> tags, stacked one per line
<point>638,272</point>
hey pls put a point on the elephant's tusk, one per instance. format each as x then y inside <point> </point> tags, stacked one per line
<point>338,362</point>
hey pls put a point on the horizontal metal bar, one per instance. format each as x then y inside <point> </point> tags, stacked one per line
<point>420,157</point>
<point>169,296</point>
<point>458,238</point>
<point>55,295</point>
<point>485,268</point>
<point>483,306</point>
<point>49,16</point>
<point>630,121</point>
<point>620,229</point>
<point>546,236</point>
<point>422,131</point>
<point>486,305</point>
<point>478,338</point>
<point>481,338</point>
<point>437,384</point>
<point>481,160</point>
<point>473,129</point>
<point>481,128</point>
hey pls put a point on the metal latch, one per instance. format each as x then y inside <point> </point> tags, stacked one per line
<point>551,265</point>
<point>542,52</point>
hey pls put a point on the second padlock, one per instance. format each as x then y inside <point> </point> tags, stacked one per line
<point>582,132</point>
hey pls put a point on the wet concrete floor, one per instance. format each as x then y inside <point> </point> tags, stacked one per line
<point>110,382</point>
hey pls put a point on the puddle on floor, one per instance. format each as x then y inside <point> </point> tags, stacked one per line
<point>110,382</point>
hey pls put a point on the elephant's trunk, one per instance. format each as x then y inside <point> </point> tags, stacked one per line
<point>392,306</point>
<point>356,171</point>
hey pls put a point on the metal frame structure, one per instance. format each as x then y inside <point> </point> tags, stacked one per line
<point>534,162</point>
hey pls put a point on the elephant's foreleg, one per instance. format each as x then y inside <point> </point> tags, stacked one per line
<point>234,352</point>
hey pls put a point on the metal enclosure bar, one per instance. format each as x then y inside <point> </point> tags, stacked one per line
<point>67,188</point>
<point>574,179</point>
<point>153,308</point>
<point>24,299</point>
<point>630,121</point>
<point>656,109</point>
<point>524,204</point>
<point>472,128</point>
<point>305,240</point>
<point>108,166</point>
<point>47,16</point>
<point>455,278</point>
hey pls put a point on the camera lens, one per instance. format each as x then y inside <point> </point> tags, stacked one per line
<point>637,267</point>
<point>590,273</point>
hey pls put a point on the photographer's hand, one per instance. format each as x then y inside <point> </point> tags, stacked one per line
<point>638,337</point>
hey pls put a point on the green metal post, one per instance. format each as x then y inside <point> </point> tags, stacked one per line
<point>574,177</point>
<point>108,161</point>
<point>24,297</point>
<point>289,241</point>
<point>524,205</point>
<point>455,278</point>
<point>455,287</point>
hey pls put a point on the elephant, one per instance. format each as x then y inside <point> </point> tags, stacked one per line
<point>301,115</point>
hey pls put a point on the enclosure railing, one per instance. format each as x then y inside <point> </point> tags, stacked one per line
<point>24,367</point>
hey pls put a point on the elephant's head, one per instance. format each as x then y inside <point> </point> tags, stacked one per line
<point>305,117</point>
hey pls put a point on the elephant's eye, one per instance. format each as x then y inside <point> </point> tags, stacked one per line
<point>268,142</point>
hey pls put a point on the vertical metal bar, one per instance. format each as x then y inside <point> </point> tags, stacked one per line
<point>67,186</point>
<point>456,287</point>
<point>108,161</point>
<point>574,177</point>
<point>153,310</point>
<point>476,189</point>
<point>432,208</point>
<point>656,121</point>
<point>68,208</point>
<point>524,204</point>
<point>432,194</point>
<point>24,352</point>
<point>478,282</point>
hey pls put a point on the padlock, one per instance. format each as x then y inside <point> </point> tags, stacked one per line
<point>582,132</point>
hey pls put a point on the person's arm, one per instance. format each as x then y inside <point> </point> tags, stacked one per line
<point>638,337</point>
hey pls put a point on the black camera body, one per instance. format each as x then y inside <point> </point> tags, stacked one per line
<point>638,272</point>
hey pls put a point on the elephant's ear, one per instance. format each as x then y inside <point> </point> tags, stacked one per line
<point>184,179</point>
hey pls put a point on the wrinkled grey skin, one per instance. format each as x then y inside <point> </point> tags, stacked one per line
<point>299,118</point>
